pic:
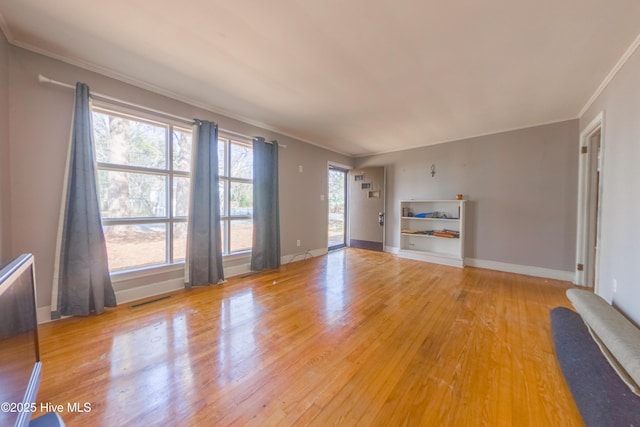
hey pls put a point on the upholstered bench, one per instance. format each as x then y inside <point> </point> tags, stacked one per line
<point>598,350</point>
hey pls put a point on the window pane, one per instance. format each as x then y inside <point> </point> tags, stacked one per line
<point>181,196</point>
<point>240,235</point>
<point>241,199</point>
<point>179,241</point>
<point>241,161</point>
<point>221,157</point>
<point>222,184</point>
<point>132,195</point>
<point>181,150</point>
<point>129,142</point>
<point>131,246</point>
<point>223,231</point>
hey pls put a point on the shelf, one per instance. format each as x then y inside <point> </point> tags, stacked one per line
<point>432,201</point>
<point>431,219</point>
<point>429,236</point>
<point>427,247</point>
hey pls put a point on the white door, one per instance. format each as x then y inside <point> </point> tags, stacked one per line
<point>366,208</point>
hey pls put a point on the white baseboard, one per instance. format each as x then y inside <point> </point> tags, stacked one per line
<point>299,256</point>
<point>43,314</point>
<point>527,270</point>
<point>319,252</point>
<point>150,290</point>
<point>127,295</point>
<point>237,270</point>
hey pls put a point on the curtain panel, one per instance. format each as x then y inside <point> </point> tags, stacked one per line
<point>82,284</point>
<point>265,252</point>
<point>204,240</point>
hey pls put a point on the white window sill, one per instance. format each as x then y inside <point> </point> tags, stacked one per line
<point>237,255</point>
<point>121,276</point>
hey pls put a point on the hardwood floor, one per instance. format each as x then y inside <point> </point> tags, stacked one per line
<point>352,338</point>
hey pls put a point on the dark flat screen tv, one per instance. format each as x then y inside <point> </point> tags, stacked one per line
<point>20,366</point>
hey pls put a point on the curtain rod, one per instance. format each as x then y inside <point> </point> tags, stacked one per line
<point>43,79</point>
<point>251,137</point>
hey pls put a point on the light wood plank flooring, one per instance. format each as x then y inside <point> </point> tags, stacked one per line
<point>351,338</point>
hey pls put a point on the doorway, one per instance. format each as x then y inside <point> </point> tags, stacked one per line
<point>590,196</point>
<point>337,207</point>
<point>366,208</point>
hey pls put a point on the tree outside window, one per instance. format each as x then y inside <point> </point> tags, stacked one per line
<point>235,167</point>
<point>143,180</point>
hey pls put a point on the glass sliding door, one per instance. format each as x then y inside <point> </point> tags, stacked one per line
<point>337,197</point>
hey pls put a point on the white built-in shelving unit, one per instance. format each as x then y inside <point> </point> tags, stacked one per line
<point>432,231</point>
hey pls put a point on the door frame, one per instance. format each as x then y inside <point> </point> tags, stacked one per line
<point>383,208</point>
<point>346,168</point>
<point>584,193</point>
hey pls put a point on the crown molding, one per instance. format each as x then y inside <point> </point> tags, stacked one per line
<point>5,29</point>
<point>623,60</point>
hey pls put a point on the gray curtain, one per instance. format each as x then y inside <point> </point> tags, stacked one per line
<point>81,279</point>
<point>265,252</point>
<point>204,241</point>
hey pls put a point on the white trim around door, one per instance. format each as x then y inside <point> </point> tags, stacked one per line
<point>588,214</point>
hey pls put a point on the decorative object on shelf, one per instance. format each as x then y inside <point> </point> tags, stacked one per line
<point>409,231</point>
<point>459,196</point>
<point>449,234</point>
<point>433,170</point>
<point>426,215</point>
<point>436,214</point>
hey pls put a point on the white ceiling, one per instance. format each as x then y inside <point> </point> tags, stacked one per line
<point>355,76</point>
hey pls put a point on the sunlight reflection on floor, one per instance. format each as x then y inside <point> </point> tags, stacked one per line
<point>335,285</point>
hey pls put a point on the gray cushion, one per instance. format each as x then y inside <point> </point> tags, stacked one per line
<point>616,333</point>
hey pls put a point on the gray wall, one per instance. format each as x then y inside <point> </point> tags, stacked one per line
<point>521,187</point>
<point>620,216</point>
<point>4,152</point>
<point>39,128</point>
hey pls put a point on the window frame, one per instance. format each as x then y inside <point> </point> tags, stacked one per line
<point>169,219</point>
<point>226,219</point>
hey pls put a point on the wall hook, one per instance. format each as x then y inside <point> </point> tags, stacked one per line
<point>433,170</point>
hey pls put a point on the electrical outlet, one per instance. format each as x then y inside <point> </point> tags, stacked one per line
<point>322,197</point>
<point>298,243</point>
<point>300,168</point>
<point>615,285</point>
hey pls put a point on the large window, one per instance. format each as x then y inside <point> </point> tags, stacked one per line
<point>143,186</point>
<point>235,167</point>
